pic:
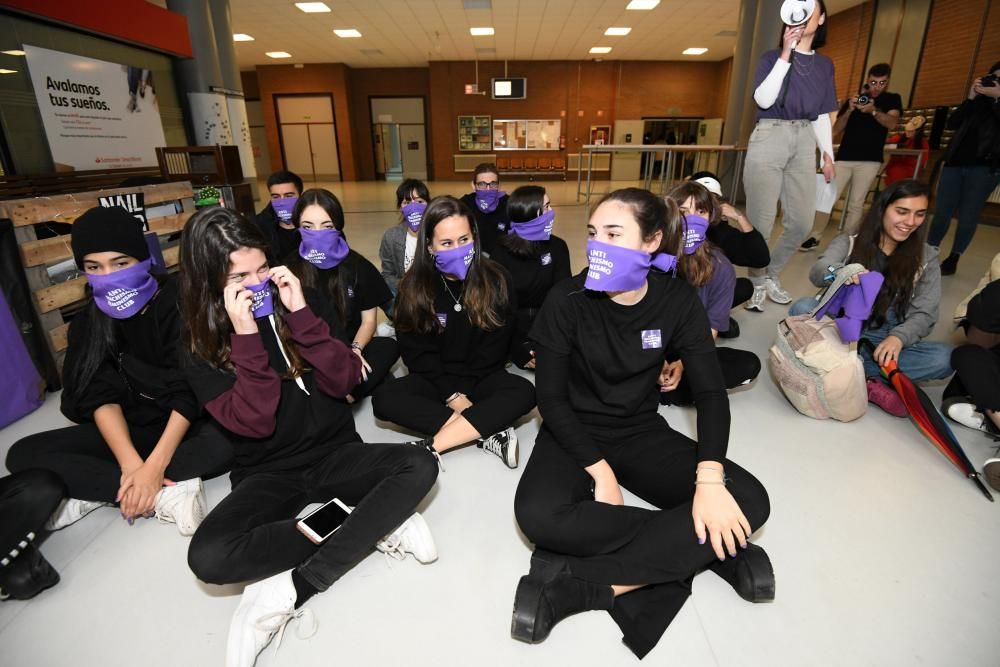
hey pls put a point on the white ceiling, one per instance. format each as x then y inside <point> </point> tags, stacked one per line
<point>409,33</point>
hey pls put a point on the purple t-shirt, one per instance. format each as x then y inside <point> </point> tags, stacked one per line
<point>811,89</point>
<point>717,294</point>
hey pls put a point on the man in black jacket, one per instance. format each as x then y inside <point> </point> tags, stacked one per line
<point>275,220</point>
<point>971,166</point>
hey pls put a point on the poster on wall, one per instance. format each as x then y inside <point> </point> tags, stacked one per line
<point>96,114</point>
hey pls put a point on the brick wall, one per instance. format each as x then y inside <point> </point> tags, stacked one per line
<point>848,34</point>
<point>949,56</point>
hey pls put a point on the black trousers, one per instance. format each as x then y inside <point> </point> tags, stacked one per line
<point>414,402</point>
<point>610,544</point>
<point>380,353</point>
<point>977,375</point>
<point>743,291</point>
<point>27,500</point>
<point>739,367</point>
<point>80,456</point>
<point>251,534</point>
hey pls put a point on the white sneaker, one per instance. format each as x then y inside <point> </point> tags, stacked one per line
<point>756,301</point>
<point>70,511</point>
<point>413,536</point>
<point>775,292</point>
<point>960,410</point>
<point>184,504</point>
<point>265,609</point>
<point>385,330</point>
<point>502,445</point>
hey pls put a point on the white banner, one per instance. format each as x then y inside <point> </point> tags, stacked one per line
<point>97,115</point>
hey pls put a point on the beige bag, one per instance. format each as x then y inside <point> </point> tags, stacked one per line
<point>819,374</point>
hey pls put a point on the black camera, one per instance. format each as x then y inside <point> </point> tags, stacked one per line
<point>989,80</point>
<point>863,99</point>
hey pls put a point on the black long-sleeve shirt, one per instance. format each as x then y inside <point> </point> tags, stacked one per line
<point>490,225</point>
<point>459,355</point>
<point>144,378</point>
<point>273,423</point>
<point>598,363</point>
<point>741,248</point>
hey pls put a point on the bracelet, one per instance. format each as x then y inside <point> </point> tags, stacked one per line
<point>700,468</point>
<point>452,398</point>
<point>357,346</point>
<point>722,482</point>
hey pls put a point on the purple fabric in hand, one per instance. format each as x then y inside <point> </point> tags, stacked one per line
<point>852,304</point>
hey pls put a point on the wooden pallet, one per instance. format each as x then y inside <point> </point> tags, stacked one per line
<point>51,301</point>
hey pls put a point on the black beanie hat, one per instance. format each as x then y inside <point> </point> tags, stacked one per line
<point>108,230</point>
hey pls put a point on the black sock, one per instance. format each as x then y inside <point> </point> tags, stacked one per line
<point>303,589</point>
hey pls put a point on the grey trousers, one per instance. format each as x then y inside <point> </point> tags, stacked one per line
<point>781,165</point>
<point>859,176</point>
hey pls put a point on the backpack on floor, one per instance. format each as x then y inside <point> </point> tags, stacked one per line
<point>819,374</point>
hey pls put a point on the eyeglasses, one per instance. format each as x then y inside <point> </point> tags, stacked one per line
<point>878,84</point>
<point>483,185</point>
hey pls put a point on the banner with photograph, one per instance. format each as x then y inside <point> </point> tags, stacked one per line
<point>97,115</point>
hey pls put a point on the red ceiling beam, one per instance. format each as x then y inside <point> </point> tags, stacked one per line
<point>133,21</point>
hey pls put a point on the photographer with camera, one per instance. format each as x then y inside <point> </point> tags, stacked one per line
<point>971,166</point>
<point>865,121</point>
<point>794,92</point>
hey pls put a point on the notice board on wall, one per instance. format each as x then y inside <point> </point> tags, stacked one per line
<point>96,114</point>
<point>526,135</point>
<point>474,133</point>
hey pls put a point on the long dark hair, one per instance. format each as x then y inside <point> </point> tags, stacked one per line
<point>905,261</point>
<point>486,295</point>
<point>97,343</point>
<point>524,204</point>
<point>698,267</point>
<point>332,283</point>
<point>209,238</point>
<point>408,187</point>
<point>653,214</point>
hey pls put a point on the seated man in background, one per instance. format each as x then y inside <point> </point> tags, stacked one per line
<point>275,220</point>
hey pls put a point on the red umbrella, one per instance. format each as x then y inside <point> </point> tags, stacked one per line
<point>930,422</point>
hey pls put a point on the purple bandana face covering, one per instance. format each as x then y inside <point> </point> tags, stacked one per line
<point>123,293</point>
<point>261,303</point>
<point>283,208</point>
<point>455,261</point>
<point>413,213</point>
<point>695,229</point>
<point>326,248</point>
<point>539,229</point>
<point>487,200</point>
<point>617,269</point>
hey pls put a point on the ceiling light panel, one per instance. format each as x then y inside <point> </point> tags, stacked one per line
<point>694,51</point>
<point>600,49</point>
<point>242,37</point>
<point>312,7</point>
<point>278,54</point>
<point>347,33</point>
<point>617,32</point>
<point>642,4</point>
<point>481,32</point>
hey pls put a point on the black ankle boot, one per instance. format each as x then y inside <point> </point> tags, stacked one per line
<point>733,332</point>
<point>548,595</point>
<point>27,575</point>
<point>950,265</point>
<point>750,574</point>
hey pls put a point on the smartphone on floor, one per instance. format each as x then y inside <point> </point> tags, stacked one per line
<point>323,522</point>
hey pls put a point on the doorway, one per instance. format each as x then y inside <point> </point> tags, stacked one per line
<point>307,131</point>
<point>669,131</point>
<point>399,137</point>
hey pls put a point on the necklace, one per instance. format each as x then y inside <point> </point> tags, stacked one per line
<point>458,306</point>
<point>803,69</point>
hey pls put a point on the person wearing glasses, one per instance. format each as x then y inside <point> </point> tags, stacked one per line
<point>865,121</point>
<point>489,204</point>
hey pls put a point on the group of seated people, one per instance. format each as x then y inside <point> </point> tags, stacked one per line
<point>250,359</point>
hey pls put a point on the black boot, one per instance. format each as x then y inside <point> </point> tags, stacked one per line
<point>27,575</point>
<point>733,332</point>
<point>548,594</point>
<point>950,265</point>
<point>750,574</point>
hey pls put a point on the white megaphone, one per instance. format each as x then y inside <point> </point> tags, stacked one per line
<point>797,12</point>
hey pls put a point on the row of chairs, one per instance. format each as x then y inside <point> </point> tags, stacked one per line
<point>532,166</point>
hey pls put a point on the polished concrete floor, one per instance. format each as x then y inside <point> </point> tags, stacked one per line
<point>884,554</point>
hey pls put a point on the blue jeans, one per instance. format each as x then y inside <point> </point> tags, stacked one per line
<point>923,360</point>
<point>964,189</point>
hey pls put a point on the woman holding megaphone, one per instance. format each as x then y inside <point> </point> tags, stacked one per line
<point>794,91</point>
